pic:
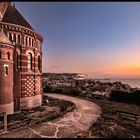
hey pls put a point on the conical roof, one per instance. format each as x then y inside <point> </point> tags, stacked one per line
<point>4,39</point>
<point>12,15</point>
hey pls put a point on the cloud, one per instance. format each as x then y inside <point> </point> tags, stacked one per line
<point>55,67</point>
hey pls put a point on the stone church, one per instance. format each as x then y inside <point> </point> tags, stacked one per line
<point>20,61</point>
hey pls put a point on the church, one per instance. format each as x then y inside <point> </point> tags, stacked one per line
<point>20,62</point>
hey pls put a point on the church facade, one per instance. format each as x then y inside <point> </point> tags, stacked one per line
<point>20,62</point>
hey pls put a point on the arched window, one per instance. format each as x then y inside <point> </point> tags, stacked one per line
<point>39,63</point>
<point>17,59</point>
<point>14,39</point>
<point>10,36</point>
<point>30,61</point>
<point>19,39</point>
<point>8,56</point>
<point>6,69</point>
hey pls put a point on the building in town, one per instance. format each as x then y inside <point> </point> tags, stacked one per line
<point>20,61</point>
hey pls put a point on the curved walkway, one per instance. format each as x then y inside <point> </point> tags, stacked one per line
<point>69,125</point>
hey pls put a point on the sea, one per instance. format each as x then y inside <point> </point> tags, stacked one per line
<point>134,83</point>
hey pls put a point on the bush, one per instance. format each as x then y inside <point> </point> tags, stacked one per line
<point>74,92</point>
<point>57,90</point>
<point>136,97</point>
<point>122,96</point>
<point>47,89</point>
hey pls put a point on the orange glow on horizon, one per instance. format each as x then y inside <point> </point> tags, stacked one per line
<point>123,61</point>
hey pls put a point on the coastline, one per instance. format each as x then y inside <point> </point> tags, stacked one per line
<point>133,82</point>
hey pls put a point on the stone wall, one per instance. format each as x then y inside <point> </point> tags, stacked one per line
<point>8,108</point>
<point>30,102</point>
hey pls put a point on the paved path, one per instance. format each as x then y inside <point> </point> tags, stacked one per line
<point>68,126</point>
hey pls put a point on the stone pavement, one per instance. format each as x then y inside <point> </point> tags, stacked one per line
<point>68,126</point>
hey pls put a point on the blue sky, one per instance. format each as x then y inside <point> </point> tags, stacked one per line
<point>102,38</point>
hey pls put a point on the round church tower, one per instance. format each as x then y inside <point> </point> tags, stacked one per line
<point>6,74</point>
<point>27,58</point>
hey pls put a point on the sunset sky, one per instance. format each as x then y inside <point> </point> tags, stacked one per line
<point>101,39</point>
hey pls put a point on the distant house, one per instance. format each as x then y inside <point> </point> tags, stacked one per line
<point>80,76</point>
<point>98,94</point>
